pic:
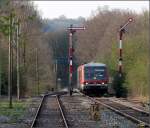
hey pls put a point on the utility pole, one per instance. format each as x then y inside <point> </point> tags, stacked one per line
<point>37,71</point>
<point>10,62</point>
<point>121,31</point>
<point>0,73</point>
<point>72,30</point>
<point>18,59</point>
<point>56,73</point>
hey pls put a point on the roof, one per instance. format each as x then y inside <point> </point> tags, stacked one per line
<point>94,64</point>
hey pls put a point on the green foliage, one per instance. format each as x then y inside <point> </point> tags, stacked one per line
<point>4,3</point>
<point>119,86</point>
<point>137,77</point>
<point>5,23</point>
<point>32,17</point>
<point>3,70</point>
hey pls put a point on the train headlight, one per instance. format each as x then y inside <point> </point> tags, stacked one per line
<point>102,82</point>
<point>86,83</point>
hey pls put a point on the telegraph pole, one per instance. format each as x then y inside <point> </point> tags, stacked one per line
<point>0,71</point>
<point>37,71</point>
<point>121,31</point>
<point>10,62</point>
<point>18,59</point>
<point>72,30</point>
<point>0,74</point>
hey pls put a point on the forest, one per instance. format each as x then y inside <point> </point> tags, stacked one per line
<point>43,46</point>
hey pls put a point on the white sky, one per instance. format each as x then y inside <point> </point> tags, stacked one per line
<point>74,9</point>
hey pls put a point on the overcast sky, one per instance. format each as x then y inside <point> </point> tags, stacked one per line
<point>74,9</point>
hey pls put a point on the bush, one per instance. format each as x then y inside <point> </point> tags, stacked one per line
<point>119,86</point>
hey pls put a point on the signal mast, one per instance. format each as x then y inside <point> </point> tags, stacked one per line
<point>121,31</point>
<point>71,30</point>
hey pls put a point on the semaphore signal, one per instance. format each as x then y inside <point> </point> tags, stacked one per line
<point>72,30</point>
<point>121,31</point>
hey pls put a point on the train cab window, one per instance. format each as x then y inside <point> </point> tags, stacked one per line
<point>95,73</point>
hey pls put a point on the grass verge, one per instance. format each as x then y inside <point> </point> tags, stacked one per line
<point>15,113</point>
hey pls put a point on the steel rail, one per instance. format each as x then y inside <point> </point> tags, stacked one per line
<point>41,103</point>
<point>37,113</point>
<point>62,112</point>
<point>134,108</point>
<point>122,113</point>
<point>117,111</point>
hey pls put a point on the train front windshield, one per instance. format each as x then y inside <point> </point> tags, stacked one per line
<point>95,73</point>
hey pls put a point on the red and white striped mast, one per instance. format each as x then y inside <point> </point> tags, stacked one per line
<point>72,30</point>
<point>121,31</point>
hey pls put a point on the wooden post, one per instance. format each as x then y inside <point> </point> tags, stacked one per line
<point>94,112</point>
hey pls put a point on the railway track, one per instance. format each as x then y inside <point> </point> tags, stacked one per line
<point>50,112</point>
<point>136,115</point>
<point>62,111</point>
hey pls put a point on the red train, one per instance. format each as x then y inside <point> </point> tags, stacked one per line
<point>93,77</point>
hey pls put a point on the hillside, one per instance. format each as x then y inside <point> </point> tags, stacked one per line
<point>61,23</point>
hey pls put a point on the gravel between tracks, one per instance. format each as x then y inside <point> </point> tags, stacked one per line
<point>77,113</point>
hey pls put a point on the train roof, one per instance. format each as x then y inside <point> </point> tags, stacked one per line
<point>94,64</point>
